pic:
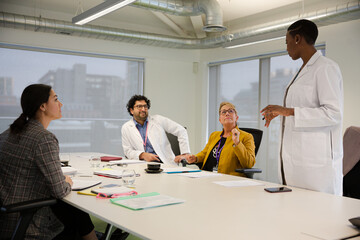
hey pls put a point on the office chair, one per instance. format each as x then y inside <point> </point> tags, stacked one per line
<point>175,147</point>
<point>174,143</point>
<point>257,134</point>
<point>351,162</point>
<point>27,209</point>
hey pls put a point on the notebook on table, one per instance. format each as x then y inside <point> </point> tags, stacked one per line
<point>109,158</point>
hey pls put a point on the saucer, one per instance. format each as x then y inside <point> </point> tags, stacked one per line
<point>153,171</point>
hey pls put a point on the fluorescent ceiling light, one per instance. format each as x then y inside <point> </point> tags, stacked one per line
<point>256,42</point>
<point>100,10</point>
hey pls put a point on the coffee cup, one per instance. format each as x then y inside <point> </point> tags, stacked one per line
<point>153,166</point>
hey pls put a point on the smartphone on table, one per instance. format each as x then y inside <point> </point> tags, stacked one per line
<point>277,189</point>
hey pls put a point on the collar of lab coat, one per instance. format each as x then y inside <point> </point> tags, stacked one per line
<point>311,61</point>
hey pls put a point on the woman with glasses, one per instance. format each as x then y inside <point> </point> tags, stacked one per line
<point>30,169</point>
<point>228,149</point>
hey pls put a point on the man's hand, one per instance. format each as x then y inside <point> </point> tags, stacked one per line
<point>272,111</point>
<point>235,136</point>
<point>149,157</point>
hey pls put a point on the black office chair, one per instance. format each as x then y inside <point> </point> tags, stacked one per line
<point>174,143</point>
<point>27,209</point>
<point>351,162</point>
<point>257,134</point>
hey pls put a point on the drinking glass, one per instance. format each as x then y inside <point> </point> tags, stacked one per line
<point>95,162</point>
<point>128,177</point>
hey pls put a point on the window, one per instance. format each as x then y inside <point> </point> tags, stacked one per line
<point>93,88</point>
<point>237,83</point>
<point>251,84</point>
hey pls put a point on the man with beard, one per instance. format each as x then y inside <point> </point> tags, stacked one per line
<point>144,137</point>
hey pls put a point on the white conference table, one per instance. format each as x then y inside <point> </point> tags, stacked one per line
<point>212,211</point>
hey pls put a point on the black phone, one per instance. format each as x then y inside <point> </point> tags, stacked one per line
<point>277,189</point>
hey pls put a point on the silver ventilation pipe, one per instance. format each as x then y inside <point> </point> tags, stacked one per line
<point>211,9</point>
<point>343,13</point>
<point>340,13</point>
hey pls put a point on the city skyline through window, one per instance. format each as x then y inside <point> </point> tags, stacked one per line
<point>94,91</point>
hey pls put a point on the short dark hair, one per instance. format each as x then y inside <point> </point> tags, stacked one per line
<point>31,99</point>
<point>306,29</point>
<point>133,99</point>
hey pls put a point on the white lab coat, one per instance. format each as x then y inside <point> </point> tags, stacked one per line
<point>312,142</point>
<point>157,128</point>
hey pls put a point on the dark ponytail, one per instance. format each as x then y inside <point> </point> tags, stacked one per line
<point>31,99</point>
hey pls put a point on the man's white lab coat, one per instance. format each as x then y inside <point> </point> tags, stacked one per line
<point>157,127</point>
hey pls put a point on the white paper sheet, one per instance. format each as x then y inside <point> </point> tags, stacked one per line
<point>201,174</point>
<point>238,183</point>
<point>126,161</point>
<point>69,170</point>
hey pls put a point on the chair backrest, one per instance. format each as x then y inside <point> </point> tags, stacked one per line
<point>27,210</point>
<point>351,144</point>
<point>351,163</point>
<point>257,134</point>
<point>174,143</point>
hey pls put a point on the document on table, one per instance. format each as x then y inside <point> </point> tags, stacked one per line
<point>180,170</point>
<point>79,185</point>
<point>69,170</point>
<point>201,174</point>
<point>111,190</point>
<point>238,183</point>
<point>127,161</point>
<point>144,201</point>
<point>107,172</point>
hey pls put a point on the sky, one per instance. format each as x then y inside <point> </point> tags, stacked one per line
<point>238,76</point>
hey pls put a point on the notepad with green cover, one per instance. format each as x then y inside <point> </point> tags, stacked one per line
<point>145,201</point>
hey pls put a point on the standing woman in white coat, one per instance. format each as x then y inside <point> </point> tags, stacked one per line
<point>311,118</point>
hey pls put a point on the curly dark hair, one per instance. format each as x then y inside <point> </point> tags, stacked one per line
<point>133,99</point>
<point>305,28</point>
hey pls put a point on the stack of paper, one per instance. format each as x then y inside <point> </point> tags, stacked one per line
<point>147,200</point>
<point>111,190</point>
<point>127,161</point>
<point>69,170</point>
<point>111,173</point>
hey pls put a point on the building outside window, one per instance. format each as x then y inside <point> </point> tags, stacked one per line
<point>93,89</point>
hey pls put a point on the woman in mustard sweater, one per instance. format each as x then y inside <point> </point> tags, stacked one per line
<point>229,149</point>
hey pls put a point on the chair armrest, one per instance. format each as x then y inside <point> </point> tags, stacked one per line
<point>21,206</point>
<point>249,172</point>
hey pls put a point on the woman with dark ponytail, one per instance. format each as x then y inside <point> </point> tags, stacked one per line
<point>31,169</point>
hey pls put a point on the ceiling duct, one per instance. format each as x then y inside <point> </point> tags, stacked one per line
<point>211,9</point>
<point>340,13</point>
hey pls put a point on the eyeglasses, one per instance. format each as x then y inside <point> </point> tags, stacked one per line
<point>103,195</point>
<point>141,106</point>
<point>230,111</point>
